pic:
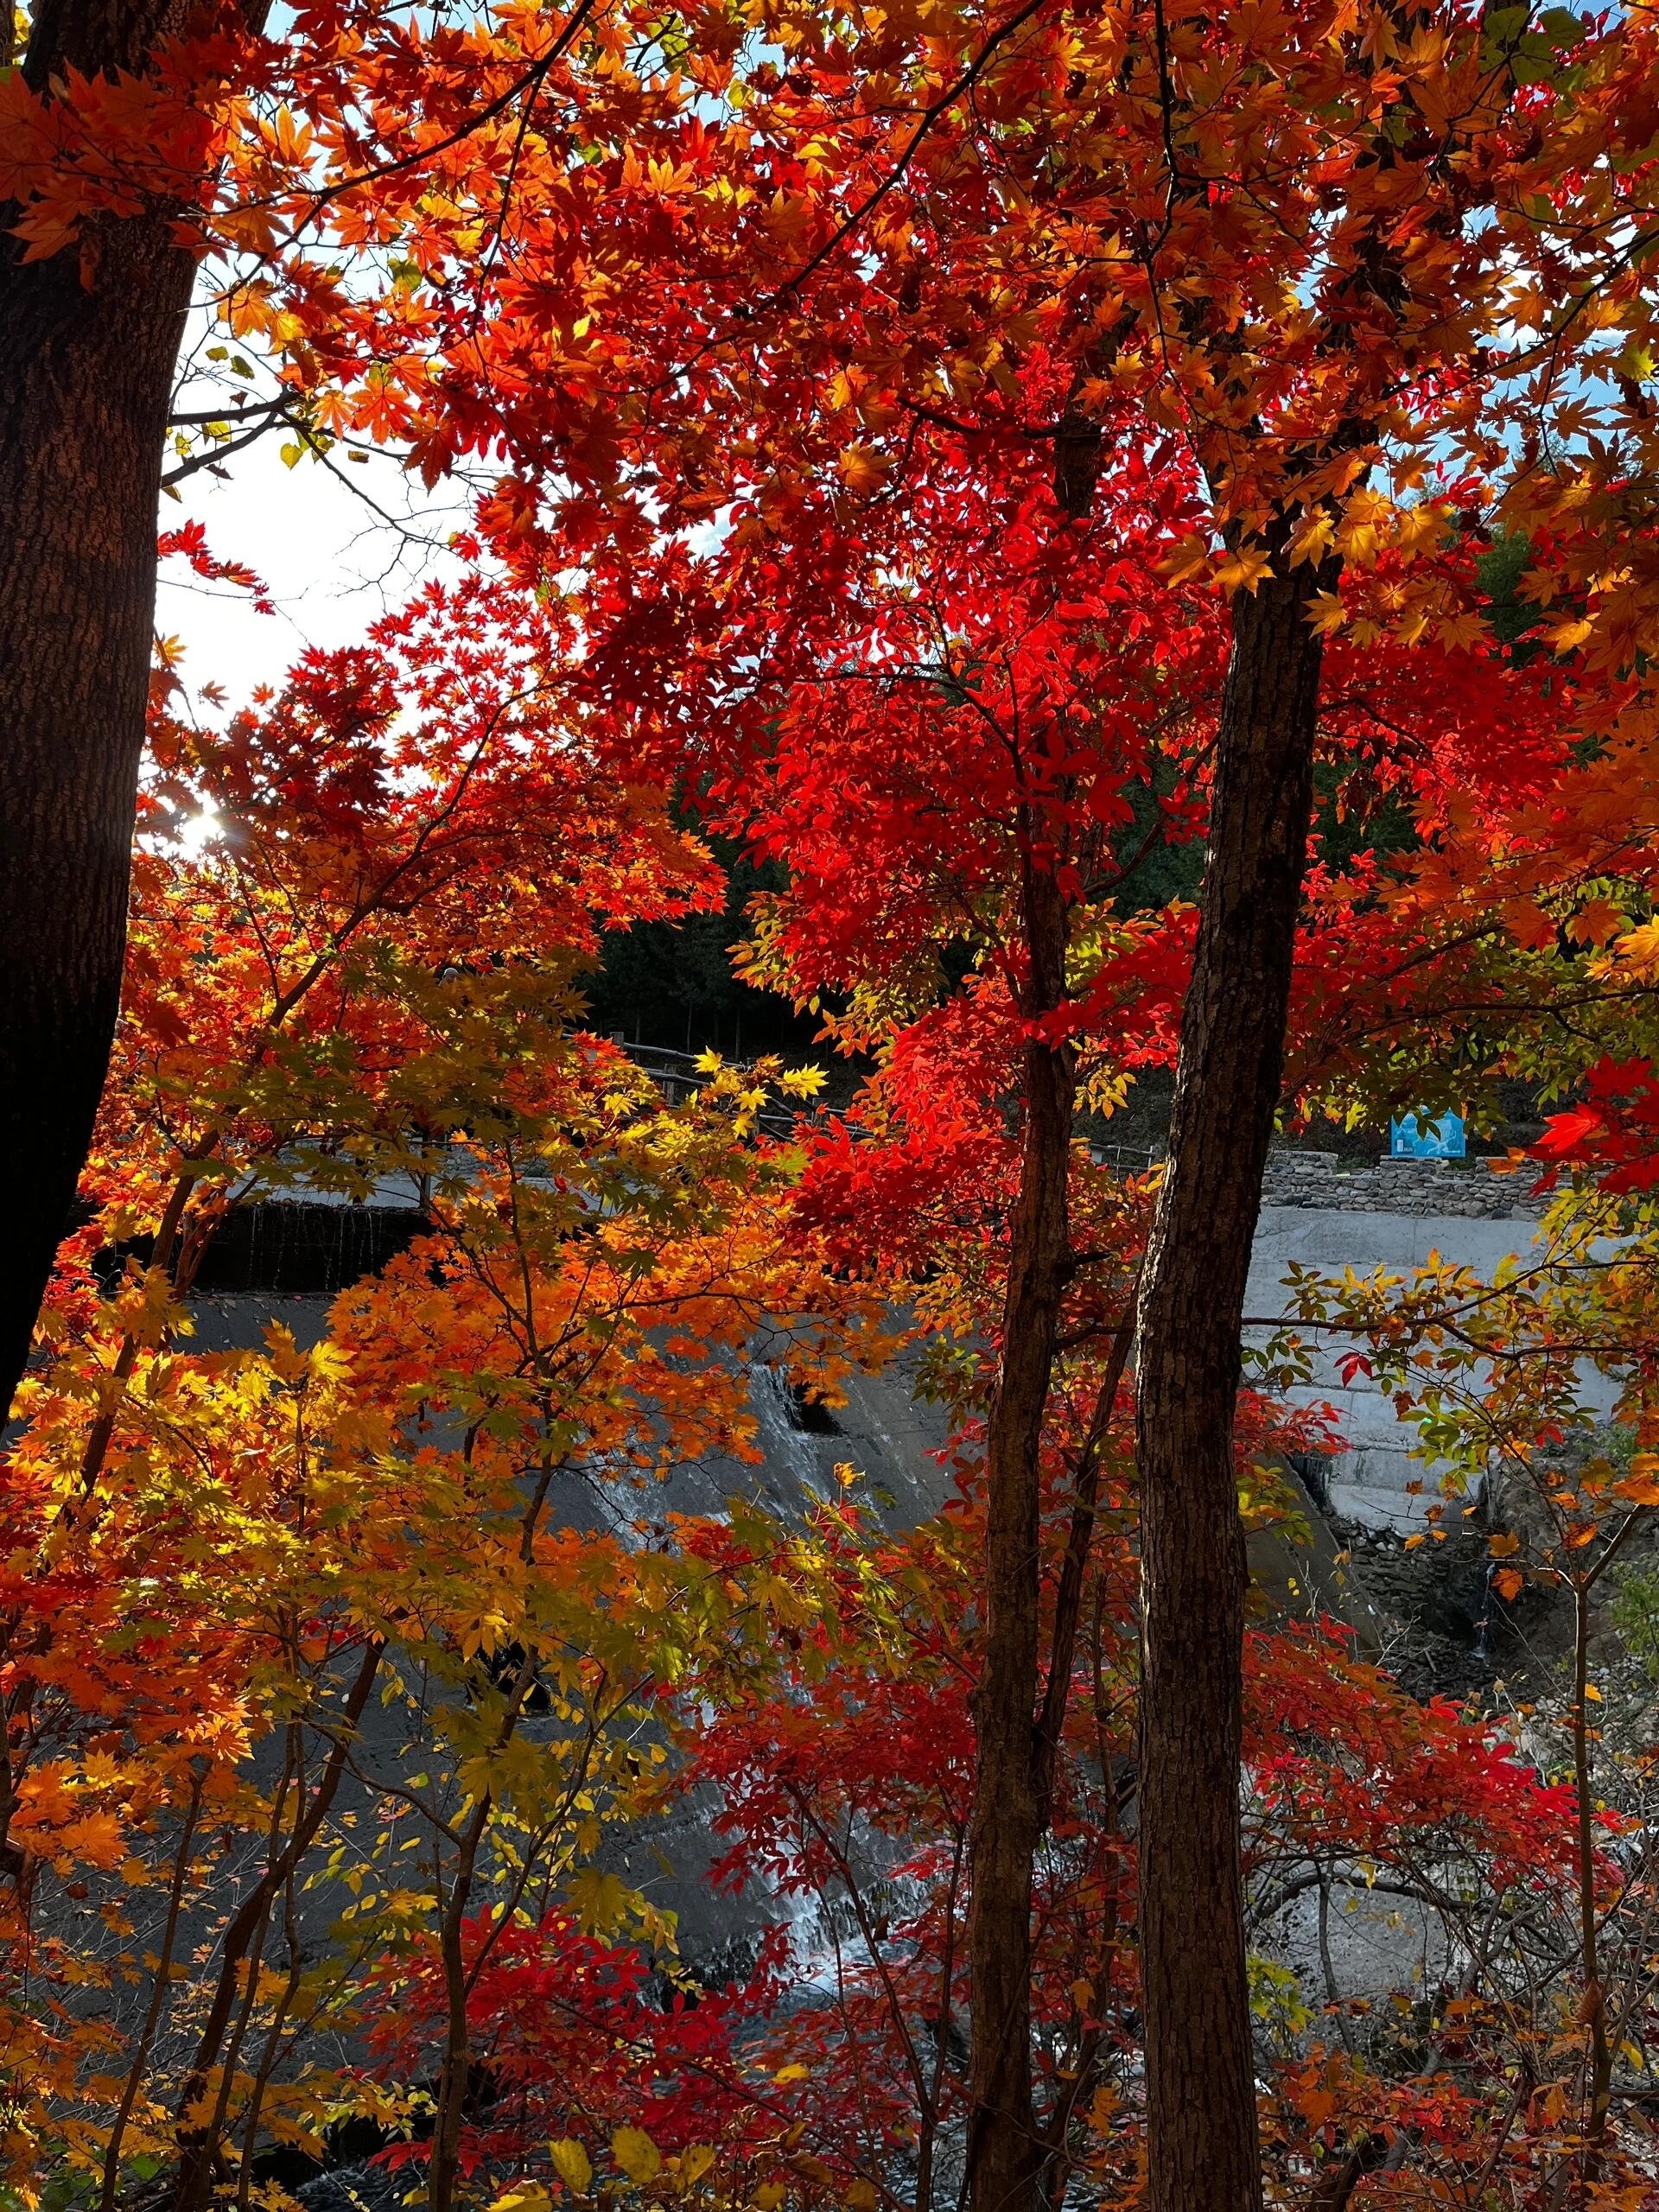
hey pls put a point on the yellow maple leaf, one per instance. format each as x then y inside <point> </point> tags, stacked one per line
<point>1244,571</point>
<point>636,2154</point>
<point>601,1899</point>
<point>1638,950</point>
<point>862,469</point>
<point>1325,612</point>
<point>1313,539</point>
<point>1187,560</point>
<point>571,2164</point>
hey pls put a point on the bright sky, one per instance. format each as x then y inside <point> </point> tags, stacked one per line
<point>332,565</point>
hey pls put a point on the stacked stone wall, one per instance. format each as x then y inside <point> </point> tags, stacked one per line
<point>1475,1190</point>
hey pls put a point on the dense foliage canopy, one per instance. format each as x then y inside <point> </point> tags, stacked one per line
<point>1130,535</point>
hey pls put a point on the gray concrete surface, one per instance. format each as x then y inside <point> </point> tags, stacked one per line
<point>1393,1214</point>
<point>1370,1481</point>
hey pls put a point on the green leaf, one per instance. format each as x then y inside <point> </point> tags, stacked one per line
<point>1560,27</point>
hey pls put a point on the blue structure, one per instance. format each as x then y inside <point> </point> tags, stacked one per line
<point>1417,1137</point>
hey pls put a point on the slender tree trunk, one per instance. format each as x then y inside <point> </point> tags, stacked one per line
<point>88,340</point>
<point>1592,2008</point>
<point>444,2166</point>
<point>1202,2143</point>
<point>199,2138</point>
<point>160,1989</point>
<point>1005,2151</point>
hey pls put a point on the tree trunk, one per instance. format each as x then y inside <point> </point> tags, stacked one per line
<point>1004,2150</point>
<point>88,340</point>
<point>198,2136</point>
<point>1202,2142</point>
<point>443,2167</point>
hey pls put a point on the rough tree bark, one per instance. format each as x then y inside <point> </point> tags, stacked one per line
<point>1004,2151</point>
<point>1203,2149</point>
<point>88,342</point>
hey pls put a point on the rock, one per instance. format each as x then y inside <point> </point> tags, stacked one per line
<point>356,2188</point>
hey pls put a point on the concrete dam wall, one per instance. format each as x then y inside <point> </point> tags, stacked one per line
<point>1395,1216</point>
<point>281,1260</point>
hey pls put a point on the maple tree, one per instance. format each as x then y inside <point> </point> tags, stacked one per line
<point>324,189</point>
<point>1283,257</point>
<point>365,975</point>
<point>363,844</point>
<point>972,459</point>
<point>1538,1383</point>
<point>927,732</point>
<point>926,742</point>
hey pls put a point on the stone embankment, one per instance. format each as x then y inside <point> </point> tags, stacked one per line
<point>1473,1190</point>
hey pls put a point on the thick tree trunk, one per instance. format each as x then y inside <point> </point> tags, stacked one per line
<point>1004,2152</point>
<point>88,340</point>
<point>1201,2121</point>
